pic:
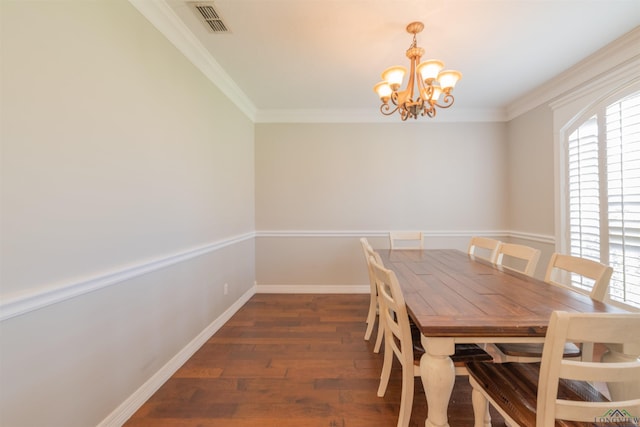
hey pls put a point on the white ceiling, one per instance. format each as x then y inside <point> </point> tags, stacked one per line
<point>327,54</point>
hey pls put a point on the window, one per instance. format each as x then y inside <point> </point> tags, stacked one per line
<point>603,165</point>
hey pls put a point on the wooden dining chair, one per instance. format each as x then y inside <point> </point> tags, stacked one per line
<point>510,254</point>
<point>563,268</point>
<point>373,315</point>
<point>532,394</point>
<point>406,240</point>
<point>484,248</point>
<point>560,270</point>
<point>398,341</point>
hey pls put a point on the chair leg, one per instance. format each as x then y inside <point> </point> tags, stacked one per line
<point>376,348</point>
<point>480,404</point>
<point>386,370</point>
<point>371,317</point>
<point>406,399</point>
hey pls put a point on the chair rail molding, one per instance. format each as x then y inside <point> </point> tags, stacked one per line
<point>34,299</point>
<point>533,237</point>
<point>542,238</point>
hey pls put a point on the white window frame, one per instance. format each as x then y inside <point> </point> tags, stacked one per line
<point>600,114</point>
<point>569,112</point>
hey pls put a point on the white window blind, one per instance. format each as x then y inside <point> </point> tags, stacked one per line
<point>584,195</point>
<point>604,195</point>
<point>623,197</point>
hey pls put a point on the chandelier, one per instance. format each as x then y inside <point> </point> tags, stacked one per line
<point>431,86</point>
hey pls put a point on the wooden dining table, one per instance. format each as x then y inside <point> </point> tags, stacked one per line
<point>455,298</point>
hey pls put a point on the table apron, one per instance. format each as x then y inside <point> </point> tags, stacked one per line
<point>445,346</point>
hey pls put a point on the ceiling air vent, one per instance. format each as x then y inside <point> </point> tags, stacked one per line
<point>210,17</point>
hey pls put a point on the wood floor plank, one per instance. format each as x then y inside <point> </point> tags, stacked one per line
<point>291,361</point>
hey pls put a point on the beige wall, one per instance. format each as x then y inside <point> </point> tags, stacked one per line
<point>341,181</point>
<point>536,153</point>
<point>531,172</point>
<point>132,190</point>
<point>119,159</point>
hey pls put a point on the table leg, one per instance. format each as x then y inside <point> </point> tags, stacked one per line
<point>438,376</point>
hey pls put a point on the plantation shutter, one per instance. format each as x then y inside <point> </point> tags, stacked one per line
<point>584,195</point>
<point>623,197</point>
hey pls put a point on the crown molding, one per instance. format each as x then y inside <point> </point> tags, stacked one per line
<point>606,60</point>
<point>372,115</point>
<point>165,20</point>
<point>625,74</point>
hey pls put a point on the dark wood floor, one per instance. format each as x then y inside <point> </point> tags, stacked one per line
<point>291,361</point>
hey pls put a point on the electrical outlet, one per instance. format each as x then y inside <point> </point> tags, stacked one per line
<point>226,288</point>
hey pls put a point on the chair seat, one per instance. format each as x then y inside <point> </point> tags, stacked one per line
<point>517,384</point>
<point>470,353</point>
<point>535,350</point>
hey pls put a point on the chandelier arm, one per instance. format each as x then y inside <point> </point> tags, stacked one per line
<point>394,97</point>
<point>448,101</point>
<point>386,109</point>
<point>425,110</point>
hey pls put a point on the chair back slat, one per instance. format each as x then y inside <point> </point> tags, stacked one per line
<point>484,248</point>
<point>372,315</point>
<point>610,328</point>
<point>585,372</point>
<point>593,411</point>
<point>596,271</point>
<point>406,240</point>
<point>393,311</point>
<point>528,255</point>
<point>368,252</point>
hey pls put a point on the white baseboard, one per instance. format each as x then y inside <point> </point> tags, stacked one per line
<point>312,289</point>
<point>123,412</point>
